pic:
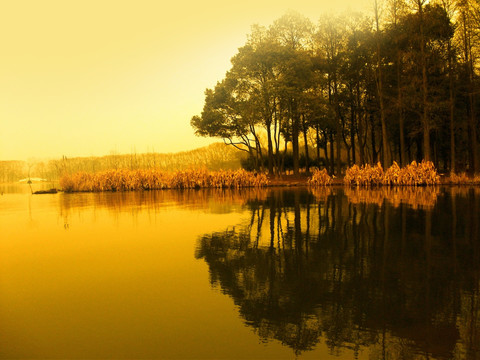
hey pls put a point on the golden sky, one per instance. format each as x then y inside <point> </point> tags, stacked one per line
<point>83,78</point>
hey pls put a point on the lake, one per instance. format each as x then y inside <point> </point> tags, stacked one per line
<point>331,273</point>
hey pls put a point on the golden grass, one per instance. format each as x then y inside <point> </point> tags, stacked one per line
<point>320,178</point>
<point>365,175</point>
<point>414,174</point>
<point>462,179</point>
<point>154,179</point>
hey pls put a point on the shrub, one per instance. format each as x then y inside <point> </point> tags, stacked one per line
<point>423,173</point>
<point>320,178</point>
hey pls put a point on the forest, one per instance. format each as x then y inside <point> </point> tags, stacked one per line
<point>399,84</point>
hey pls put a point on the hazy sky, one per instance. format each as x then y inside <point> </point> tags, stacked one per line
<point>82,78</point>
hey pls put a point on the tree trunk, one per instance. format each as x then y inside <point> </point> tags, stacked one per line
<point>360,133</point>
<point>401,119</point>
<point>295,132</point>
<point>352,137</point>
<point>270,148</point>
<point>423,60</point>
<point>472,127</point>
<point>318,143</point>
<point>305,139</point>
<point>472,131</point>
<point>452,108</point>
<point>332,157</point>
<point>338,140</point>
<point>374,144</point>
<point>338,137</point>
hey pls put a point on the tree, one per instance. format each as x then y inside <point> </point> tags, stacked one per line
<point>397,86</point>
<point>229,117</point>
<point>379,82</point>
<point>469,26</point>
<point>330,39</point>
<point>294,31</point>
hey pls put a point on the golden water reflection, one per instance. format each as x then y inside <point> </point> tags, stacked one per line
<point>388,279</point>
<point>113,276</point>
<point>416,197</point>
<point>314,273</point>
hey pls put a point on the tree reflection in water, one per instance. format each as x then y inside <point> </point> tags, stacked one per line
<point>398,279</point>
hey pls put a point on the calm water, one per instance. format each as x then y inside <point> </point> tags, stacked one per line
<point>330,274</point>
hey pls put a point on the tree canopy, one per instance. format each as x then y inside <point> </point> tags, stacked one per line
<point>399,84</point>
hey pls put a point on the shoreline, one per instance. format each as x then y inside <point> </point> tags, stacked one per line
<point>302,180</point>
<point>285,181</point>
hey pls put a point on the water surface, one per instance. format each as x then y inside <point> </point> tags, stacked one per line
<point>331,274</point>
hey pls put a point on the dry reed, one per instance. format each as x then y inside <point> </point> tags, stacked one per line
<point>365,175</point>
<point>153,179</point>
<point>462,179</point>
<point>414,174</point>
<point>320,178</point>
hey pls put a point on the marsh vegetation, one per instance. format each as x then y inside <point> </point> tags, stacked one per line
<point>155,179</point>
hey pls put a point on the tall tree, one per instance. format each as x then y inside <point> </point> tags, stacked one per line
<point>449,8</point>
<point>419,8</point>
<point>330,39</point>
<point>294,31</point>
<point>468,33</point>
<point>397,10</point>
<point>379,80</point>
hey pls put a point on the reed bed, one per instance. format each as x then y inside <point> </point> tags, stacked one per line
<point>414,174</point>
<point>320,178</point>
<point>154,179</point>
<point>462,179</point>
<point>365,175</point>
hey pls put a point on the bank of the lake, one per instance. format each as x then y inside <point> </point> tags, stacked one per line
<point>413,174</point>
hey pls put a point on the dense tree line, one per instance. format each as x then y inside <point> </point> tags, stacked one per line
<point>399,85</point>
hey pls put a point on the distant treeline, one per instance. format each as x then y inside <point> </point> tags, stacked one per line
<point>11,171</point>
<point>399,85</point>
<point>213,157</point>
